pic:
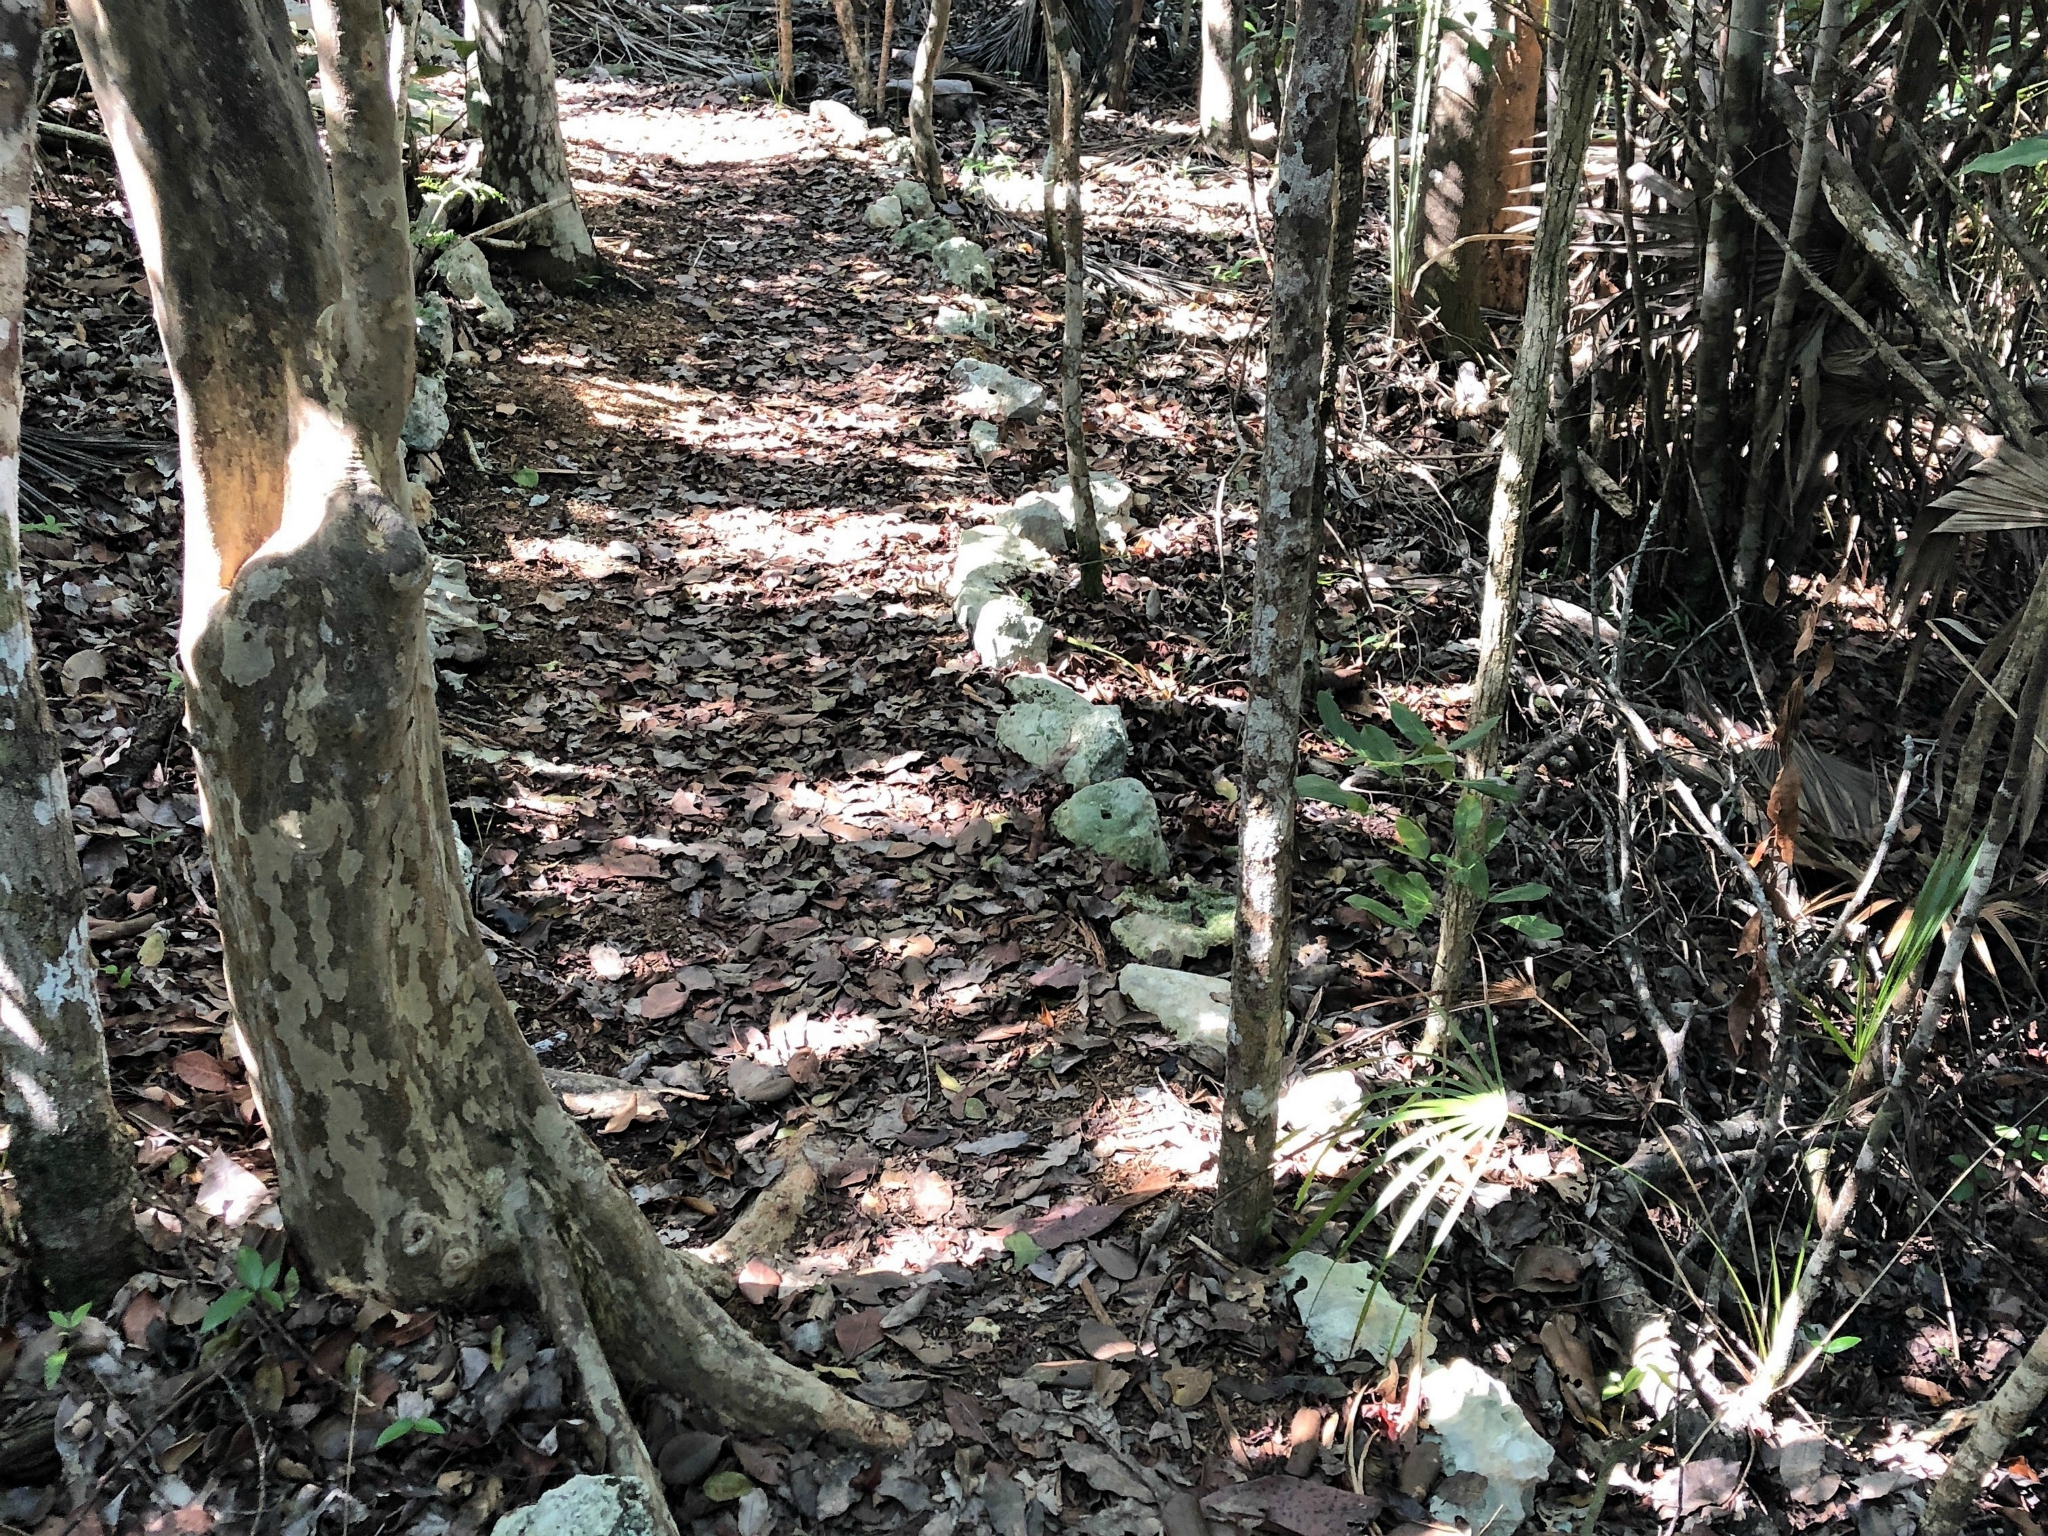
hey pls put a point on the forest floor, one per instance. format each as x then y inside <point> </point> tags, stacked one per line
<point>744,836</point>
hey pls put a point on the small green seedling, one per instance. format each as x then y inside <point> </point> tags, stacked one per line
<point>398,1429</point>
<point>526,479</point>
<point>66,1324</point>
<point>1024,1249</point>
<point>258,1281</point>
<point>1475,831</point>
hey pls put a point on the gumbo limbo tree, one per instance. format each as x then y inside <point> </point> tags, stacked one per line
<point>420,1154</point>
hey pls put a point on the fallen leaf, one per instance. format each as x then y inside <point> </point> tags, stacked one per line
<point>758,1282</point>
<point>1189,1384</point>
<point>1063,972</point>
<point>202,1072</point>
<point>900,1393</point>
<point>965,1414</point>
<point>662,1000</point>
<point>1578,1378</point>
<point>1543,1267</point>
<point>142,1311</point>
<point>858,1332</point>
<point>1308,1509</point>
<point>1695,1485</point>
<point>1102,1342</point>
<point>1105,1473</point>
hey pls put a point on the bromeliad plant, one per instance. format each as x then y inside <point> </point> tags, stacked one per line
<point>1475,830</point>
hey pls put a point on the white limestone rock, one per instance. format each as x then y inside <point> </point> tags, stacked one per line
<point>1118,819</point>
<point>991,392</point>
<point>883,213</point>
<point>1480,1429</point>
<point>1194,1009</point>
<point>1051,724</point>
<point>962,263</point>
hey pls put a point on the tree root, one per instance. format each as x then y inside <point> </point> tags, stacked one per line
<point>764,1228</point>
<point>569,1321</point>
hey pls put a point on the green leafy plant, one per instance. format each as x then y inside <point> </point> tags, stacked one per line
<point>2027,151</point>
<point>1475,830</point>
<point>526,479</point>
<point>398,1429</point>
<point>47,523</point>
<point>1940,893</point>
<point>256,1281</point>
<point>67,1324</point>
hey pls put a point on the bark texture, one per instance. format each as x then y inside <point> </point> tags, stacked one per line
<point>1063,51</point>
<point>1283,590</point>
<point>524,156</point>
<point>67,1148</point>
<point>1222,85</point>
<point>1767,413</point>
<point>1998,1422</point>
<point>924,80</point>
<point>404,1107</point>
<point>1515,484</point>
<point>1742,66</point>
<point>1482,133</point>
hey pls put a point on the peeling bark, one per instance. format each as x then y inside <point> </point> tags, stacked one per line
<point>524,156</point>
<point>1063,53</point>
<point>924,80</point>
<point>403,1105</point>
<point>1515,484</point>
<point>68,1151</point>
<point>1283,592</point>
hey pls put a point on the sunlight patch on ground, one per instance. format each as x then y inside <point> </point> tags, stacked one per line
<point>594,117</point>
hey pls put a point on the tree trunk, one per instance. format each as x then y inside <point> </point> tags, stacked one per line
<point>1955,1496</point>
<point>1283,593</point>
<point>856,56</point>
<point>1721,266</point>
<point>524,156</point>
<point>1515,483</point>
<point>1482,132</point>
<point>1123,53</point>
<point>411,1125</point>
<point>1063,53</point>
<point>1767,410</point>
<point>1222,89</point>
<point>785,51</point>
<point>882,59</point>
<point>924,142</point>
<point>67,1148</point>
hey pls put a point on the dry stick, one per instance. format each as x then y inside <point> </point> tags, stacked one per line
<point>568,1318</point>
<point>1063,51</point>
<point>881,96</point>
<point>1772,1374</point>
<point>519,218</point>
<point>1767,414</point>
<point>1283,590</point>
<point>1997,1422</point>
<point>785,50</point>
<point>1515,484</point>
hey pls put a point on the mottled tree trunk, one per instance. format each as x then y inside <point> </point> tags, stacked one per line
<point>1063,53</point>
<point>1482,131</point>
<point>67,1148</point>
<point>882,59</point>
<point>412,1129</point>
<point>1283,594</point>
<point>1721,266</point>
<point>524,156</point>
<point>924,81</point>
<point>1221,102</point>
<point>1998,1422</point>
<point>1515,483</point>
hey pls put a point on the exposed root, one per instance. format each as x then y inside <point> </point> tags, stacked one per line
<point>766,1226</point>
<point>569,1320</point>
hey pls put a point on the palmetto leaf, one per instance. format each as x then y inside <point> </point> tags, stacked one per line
<point>2007,490</point>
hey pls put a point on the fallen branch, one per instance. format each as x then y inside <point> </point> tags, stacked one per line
<point>1955,1496</point>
